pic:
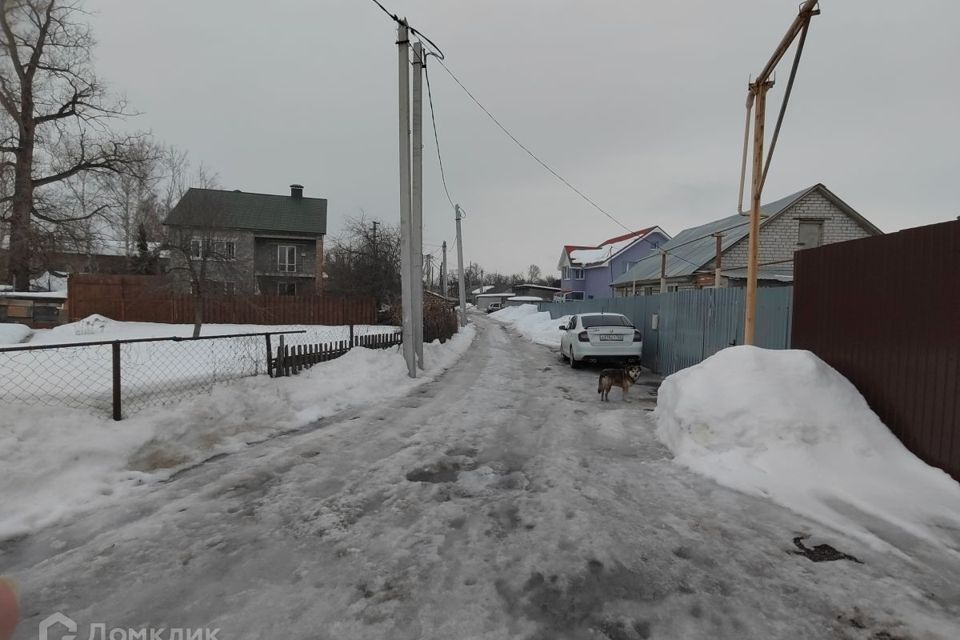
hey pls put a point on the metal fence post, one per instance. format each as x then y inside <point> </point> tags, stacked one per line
<point>269,356</point>
<point>351,336</point>
<point>117,412</point>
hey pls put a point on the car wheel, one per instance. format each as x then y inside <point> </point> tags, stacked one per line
<point>574,363</point>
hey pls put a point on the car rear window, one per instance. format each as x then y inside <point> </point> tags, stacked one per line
<point>611,320</point>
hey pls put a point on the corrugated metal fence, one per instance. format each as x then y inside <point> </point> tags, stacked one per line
<point>693,325</point>
<point>885,312</point>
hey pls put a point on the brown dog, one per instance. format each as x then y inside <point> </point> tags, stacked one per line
<point>622,378</point>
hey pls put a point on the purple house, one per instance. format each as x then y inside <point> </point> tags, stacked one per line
<point>588,272</point>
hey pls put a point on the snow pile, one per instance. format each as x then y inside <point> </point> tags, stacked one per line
<point>57,461</point>
<point>532,324</point>
<point>12,333</point>
<point>785,425</point>
<point>96,328</point>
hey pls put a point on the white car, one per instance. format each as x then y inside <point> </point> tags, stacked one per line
<point>600,337</point>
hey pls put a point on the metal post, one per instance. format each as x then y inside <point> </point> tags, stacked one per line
<point>269,355</point>
<point>750,312</point>
<point>663,271</point>
<point>416,226</point>
<point>460,274</point>
<point>351,336</point>
<point>406,284</point>
<point>716,271</point>
<point>117,409</point>
<point>443,272</point>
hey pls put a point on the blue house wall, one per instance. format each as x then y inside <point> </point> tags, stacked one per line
<point>597,279</point>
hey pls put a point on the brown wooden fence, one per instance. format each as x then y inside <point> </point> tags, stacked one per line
<point>885,312</point>
<point>149,299</point>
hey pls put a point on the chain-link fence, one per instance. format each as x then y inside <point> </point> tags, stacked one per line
<point>121,377</point>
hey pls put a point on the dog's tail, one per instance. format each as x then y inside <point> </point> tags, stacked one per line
<point>600,384</point>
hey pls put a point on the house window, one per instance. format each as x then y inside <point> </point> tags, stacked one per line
<point>629,265</point>
<point>286,258</point>
<point>810,234</point>
<point>212,249</point>
<point>225,249</point>
<point>287,288</point>
<point>648,291</point>
<point>672,288</point>
<point>229,288</point>
<point>578,274</point>
<point>565,273</point>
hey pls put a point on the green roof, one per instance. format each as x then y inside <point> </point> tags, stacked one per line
<point>218,209</point>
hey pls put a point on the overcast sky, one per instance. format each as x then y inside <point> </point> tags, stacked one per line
<point>639,104</point>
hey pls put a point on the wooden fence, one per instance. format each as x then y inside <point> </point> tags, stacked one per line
<point>149,299</point>
<point>291,360</point>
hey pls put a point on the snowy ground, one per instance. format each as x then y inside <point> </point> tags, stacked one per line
<point>500,500</point>
<point>57,460</point>
<point>532,324</point>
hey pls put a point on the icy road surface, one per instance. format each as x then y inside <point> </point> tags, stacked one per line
<point>503,500</point>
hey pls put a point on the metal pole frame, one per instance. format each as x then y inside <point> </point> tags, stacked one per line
<point>458,212</point>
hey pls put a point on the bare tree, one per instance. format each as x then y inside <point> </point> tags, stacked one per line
<point>201,256</point>
<point>365,260</point>
<point>534,273</point>
<point>56,115</point>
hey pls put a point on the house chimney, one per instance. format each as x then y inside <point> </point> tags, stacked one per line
<point>296,191</point>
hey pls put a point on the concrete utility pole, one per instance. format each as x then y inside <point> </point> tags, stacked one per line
<point>463,292</point>
<point>443,272</point>
<point>406,248</point>
<point>716,272</point>
<point>757,101</point>
<point>663,271</point>
<point>416,235</point>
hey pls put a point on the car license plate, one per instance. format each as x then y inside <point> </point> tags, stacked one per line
<point>610,336</point>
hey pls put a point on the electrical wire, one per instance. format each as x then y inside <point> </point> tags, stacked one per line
<point>529,152</point>
<point>435,50</point>
<point>436,137</point>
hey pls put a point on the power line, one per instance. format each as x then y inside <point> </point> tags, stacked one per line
<point>435,49</point>
<point>528,151</point>
<point>436,137</point>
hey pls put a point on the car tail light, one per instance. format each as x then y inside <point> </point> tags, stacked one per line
<point>637,336</point>
<point>583,337</point>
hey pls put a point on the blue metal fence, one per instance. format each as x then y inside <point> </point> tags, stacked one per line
<point>693,325</point>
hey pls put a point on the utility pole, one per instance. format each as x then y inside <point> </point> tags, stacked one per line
<point>463,292</point>
<point>663,271</point>
<point>757,101</point>
<point>417,218</point>
<point>443,271</point>
<point>406,248</point>
<point>716,261</point>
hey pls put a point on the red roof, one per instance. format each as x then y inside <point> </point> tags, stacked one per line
<point>638,234</point>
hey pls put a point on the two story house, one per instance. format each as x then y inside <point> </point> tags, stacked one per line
<point>588,271</point>
<point>237,242</point>
<point>809,218</point>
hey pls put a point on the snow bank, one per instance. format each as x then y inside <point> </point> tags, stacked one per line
<point>96,327</point>
<point>532,324</point>
<point>58,461</point>
<point>12,333</point>
<point>785,425</point>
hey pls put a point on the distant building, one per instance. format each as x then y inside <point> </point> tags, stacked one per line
<point>250,242</point>
<point>484,300</point>
<point>538,291</point>
<point>808,218</point>
<point>589,271</point>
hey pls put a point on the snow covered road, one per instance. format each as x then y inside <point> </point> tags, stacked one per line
<point>502,500</point>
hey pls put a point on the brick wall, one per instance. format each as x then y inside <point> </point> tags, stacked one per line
<point>778,239</point>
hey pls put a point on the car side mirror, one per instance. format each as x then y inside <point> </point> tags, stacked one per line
<point>562,327</point>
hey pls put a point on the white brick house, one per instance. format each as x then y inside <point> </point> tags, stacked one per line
<point>808,218</point>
